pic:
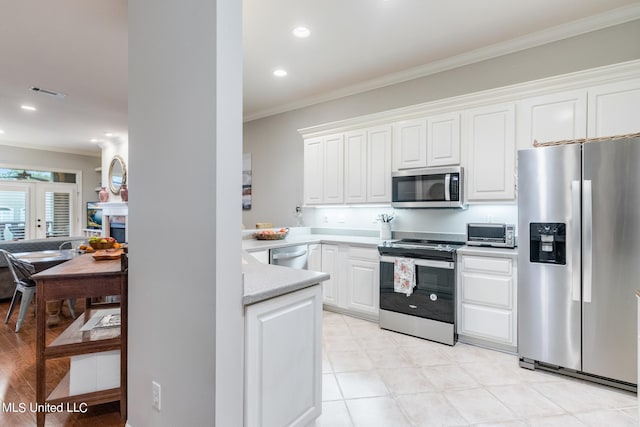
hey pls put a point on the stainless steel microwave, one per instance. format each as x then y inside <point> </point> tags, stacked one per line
<point>494,235</point>
<point>428,188</point>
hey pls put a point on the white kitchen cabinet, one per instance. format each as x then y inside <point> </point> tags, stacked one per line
<point>410,144</point>
<point>613,109</point>
<point>355,166</point>
<point>331,263</point>
<point>362,281</point>
<point>443,140</point>
<point>283,360</point>
<point>314,260</point>
<point>489,138</point>
<point>324,169</point>
<point>487,300</point>
<point>379,164</point>
<point>556,117</point>
<point>354,286</point>
<point>368,165</point>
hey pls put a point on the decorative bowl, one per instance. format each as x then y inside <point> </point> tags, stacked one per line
<point>102,245</point>
<point>272,234</point>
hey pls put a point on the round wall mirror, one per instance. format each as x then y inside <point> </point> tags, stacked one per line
<point>117,174</point>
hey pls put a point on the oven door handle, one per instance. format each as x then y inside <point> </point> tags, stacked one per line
<point>422,262</point>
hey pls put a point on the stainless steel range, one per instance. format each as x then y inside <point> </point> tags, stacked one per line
<point>429,311</point>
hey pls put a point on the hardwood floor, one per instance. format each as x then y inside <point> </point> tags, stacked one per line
<point>18,376</point>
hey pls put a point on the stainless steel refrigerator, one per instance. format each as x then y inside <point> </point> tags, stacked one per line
<point>579,258</point>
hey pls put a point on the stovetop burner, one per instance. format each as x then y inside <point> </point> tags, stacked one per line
<point>418,248</point>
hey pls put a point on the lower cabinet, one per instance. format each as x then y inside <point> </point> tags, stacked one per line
<point>354,286</point>
<point>487,300</point>
<point>283,360</point>
<point>262,256</point>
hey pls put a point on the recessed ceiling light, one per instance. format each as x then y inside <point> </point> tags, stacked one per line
<point>94,140</point>
<point>280,73</point>
<point>301,32</point>
<point>108,134</point>
<point>28,107</point>
<point>1,131</point>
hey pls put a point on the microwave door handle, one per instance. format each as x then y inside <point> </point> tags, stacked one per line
<point>447,187</point>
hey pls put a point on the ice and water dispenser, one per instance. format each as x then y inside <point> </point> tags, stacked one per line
<point>548,243</point>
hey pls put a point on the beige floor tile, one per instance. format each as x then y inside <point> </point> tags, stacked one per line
<point>389,358</point>
<point>376,340</point>
<point>336,329</point>
<point>478,406</point>
<point>428,356</point>
<point>572,396</point>
<point>405,380</point>
<point>430,409</point>
<point>449,377</point>
<point>516,423</point>
<point>525,401</point>
<point>633,413</point>
<point>330,389</point>
<point>348,361</point>
<point>376,412</point>
<point>612,397</point>
<point>556,421</point>
<point>489,373</point>
<point>334,414</point>
<point>465,353</point>
<point>610,417</point>
<point>355,385</point>
<point>326,365</point>
<point>340,343</point>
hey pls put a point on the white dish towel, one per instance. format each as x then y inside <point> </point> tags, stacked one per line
<point>404,275</point>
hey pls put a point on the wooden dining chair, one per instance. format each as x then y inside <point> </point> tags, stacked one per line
<point>21,272</point>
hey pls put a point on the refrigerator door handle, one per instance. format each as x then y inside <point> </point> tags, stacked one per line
<point>575,239</point>
<point>587,242</point>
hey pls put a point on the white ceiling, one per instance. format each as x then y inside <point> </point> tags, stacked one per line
<point>79,47</point>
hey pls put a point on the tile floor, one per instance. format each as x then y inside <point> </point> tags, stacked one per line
<point>373,377</point>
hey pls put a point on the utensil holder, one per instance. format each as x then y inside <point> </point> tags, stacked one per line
<point>385,231</point>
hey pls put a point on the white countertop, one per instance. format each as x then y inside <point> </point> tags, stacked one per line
<point>264,281</point>
<point>253,245</point>
<point>487,251</point>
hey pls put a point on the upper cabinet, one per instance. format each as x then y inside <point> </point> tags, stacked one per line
<point>614,109</point>
<point>351,167</point>
<point>443,140</point>
<point>427,142</point>
<point>555,117</point>
<point>410,144</point>
<point>324,169</point>
<point>489,135</point>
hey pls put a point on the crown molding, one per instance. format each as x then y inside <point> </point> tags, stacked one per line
<point>593,23</point>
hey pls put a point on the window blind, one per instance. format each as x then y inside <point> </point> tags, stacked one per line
<point>58,214</point>
<point>12,214</point>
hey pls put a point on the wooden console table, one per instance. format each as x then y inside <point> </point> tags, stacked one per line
<point>80,277</point>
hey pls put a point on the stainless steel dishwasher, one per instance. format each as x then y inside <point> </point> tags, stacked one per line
<point>291,256</point>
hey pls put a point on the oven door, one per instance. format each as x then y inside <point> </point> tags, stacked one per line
<point>432,298</point>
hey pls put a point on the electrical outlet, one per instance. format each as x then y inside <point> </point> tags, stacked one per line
<point>156,395</point>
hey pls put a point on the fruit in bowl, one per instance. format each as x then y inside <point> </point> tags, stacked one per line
<point>102,242</point>
<point>272,234</point>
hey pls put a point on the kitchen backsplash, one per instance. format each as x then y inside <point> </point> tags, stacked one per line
<point>417,220</point>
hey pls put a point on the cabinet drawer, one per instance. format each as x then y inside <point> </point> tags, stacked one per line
<point>496,291</point>
<point>364,253</point>
<point>487,264</point>
<point>488,323</point>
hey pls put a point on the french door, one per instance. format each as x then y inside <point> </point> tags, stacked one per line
<point>31,210</point>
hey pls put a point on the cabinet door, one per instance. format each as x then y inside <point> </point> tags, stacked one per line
<point>333,169</point>
<point>355,164</point>
<point>262,256</point>
<point>490,140</point>
<point>613,109</point>
<point>363,281</point>
<point>443,140</point>
<point>313,170</point>
<point>556,117</point>
<point>283,359</point>
<point>330,257</point>
<point>487,323</point>
<point>410,142</point>
<point>379,164</point>
<point>314,261</point>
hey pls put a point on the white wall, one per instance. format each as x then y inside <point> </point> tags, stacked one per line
<point>46,160</point>
<point>277,149</point>
<point>185,151</point>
